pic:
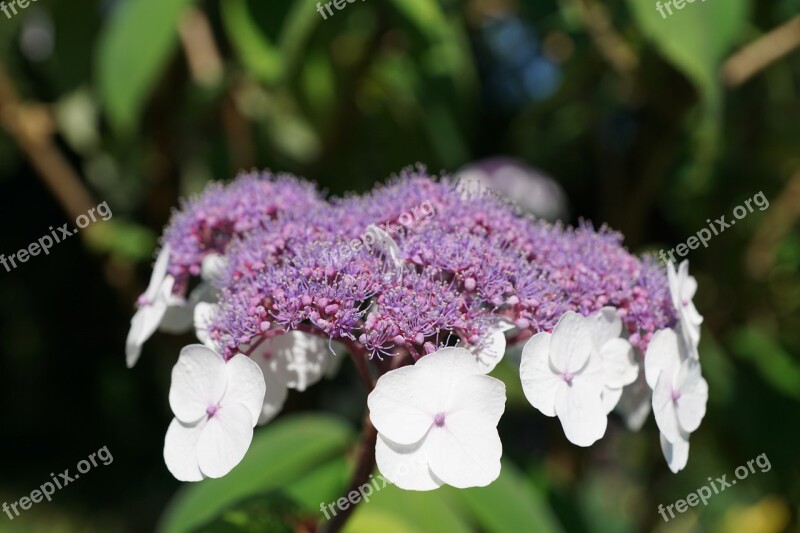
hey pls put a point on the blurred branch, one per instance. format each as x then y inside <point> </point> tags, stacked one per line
<point>614,49</point>
<point>761,53</point>
<point>784,212</point>
<point>202,53</point>
<point>31,127</point>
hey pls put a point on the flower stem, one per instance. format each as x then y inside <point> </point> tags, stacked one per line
<point>369,437</point>
<point>364,467</point>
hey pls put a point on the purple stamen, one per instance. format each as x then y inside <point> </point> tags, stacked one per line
<point>211,411</point>
<point>568,377</point>
<point>676,395</point>
<point>439,419</point>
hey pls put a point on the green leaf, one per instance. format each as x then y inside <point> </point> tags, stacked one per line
<point>133,50</point>
<point>694,39</point>
<point>389,510</point>
<point>323,484</point>
<point>510,504</point>
<point>280,454</point>
<point>261,58</point>
<point>775,364</point>
<point>126,239</point>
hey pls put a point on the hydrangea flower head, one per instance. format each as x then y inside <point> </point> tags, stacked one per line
<point>424,286</point>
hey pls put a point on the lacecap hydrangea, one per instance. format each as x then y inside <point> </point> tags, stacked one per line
<point>424,282</point>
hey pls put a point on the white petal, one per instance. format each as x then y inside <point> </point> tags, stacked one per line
<point>477,399</point>
<point>180,450</point>
<point>225,440</point>
<point>539,383</point>
<point>400,406</point>
<point>296,358</point>
<point>204,314</point>
<point>604,325</point>
<point>619,364</point>
<point>205,292</point>
<point>158,275</point>
<point>335,360</point>
<point>386,244</point>
<point>143,324</point>
<point>492,347</point>
<point>276,393</point>
<point>689,287</point>
<point>611,398</point>
<point>691,405</point>
<point>664,407</point>
<point>676,453</point>
<point>570,345</point>
<point>405,465</point>
<point>674,285</point>
<point>212,267</point>
<point>690,331</point>
<point>634,406</point>
<point>662,352</point>
<point>580,409</point>
<point>441,370</point>
<point>464,453</point>
<point>199,380</point>
<point>245,385</point>
<point>177,319</point>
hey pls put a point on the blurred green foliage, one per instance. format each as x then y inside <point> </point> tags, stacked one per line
<point>150,99</point>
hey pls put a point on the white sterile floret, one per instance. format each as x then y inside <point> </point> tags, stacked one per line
<point>679,394</point>
<point>616,355</point>
<point>293,360</point>
<point>577,372</point>
<point>385,244</point>
<point>156,308</point>
<point>491,349</point>
<point>204,313</point>
<point>213,268</point>
<point>216,405</point>
<point>634,405</point>
<point>437,422</point>
<point>682,288</point>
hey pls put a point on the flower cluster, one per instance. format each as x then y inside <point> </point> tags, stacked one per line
<point>430,309</point>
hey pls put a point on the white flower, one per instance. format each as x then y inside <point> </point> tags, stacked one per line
<point>156,308</point>
<point>577,372</point>
<point>491,349</point>
<point>204,313</point>
<point>162,310</point>
<point>212,268</point>
<point>634,405</point>
<point>386,245</point>
<point>437,422</point>
<point>616,354</point>
<point>679,394</point>
<point>216,405</point>
<point>683,287</point>
<point>293,360</point>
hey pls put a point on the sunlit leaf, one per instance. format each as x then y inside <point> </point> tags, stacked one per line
<point>281,453</point>
<point>132,52</point>
<point>510,504</point>
<point>261,58</point>
<point>774,363</point>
